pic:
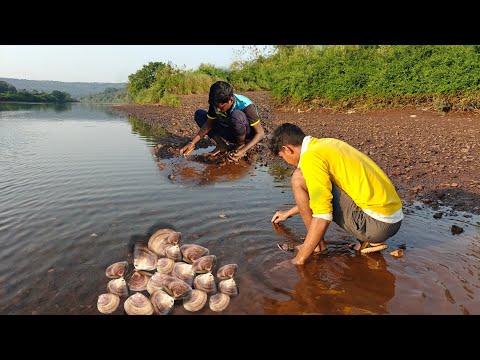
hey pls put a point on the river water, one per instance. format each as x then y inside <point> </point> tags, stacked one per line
<point>79,186</point>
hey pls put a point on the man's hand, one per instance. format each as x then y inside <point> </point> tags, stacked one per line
<point>279,216</point>
<point>235,155</point>
<point>187,149</point>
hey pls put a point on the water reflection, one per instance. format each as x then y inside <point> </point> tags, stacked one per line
<point>186,171</point>
<point>146,130</point>
<point>57,107</point>
<point>342,282</point>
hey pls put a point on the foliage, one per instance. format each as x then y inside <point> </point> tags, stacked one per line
<point>35,96</point>
<point>445,76</point>
<point>109,96</point>
<point>170,100</point>
<point>6,87</point>
<point>145,77</point>
<point>214,72</point>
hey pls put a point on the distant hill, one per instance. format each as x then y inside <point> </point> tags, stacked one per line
<point>76,89</point>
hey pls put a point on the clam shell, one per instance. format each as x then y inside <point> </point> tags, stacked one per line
<point>118,287</point>
<point>163,236</point>
<point>162,249</point>
<point>138,304</point>
<point>184,272</point>
<point>154,284</point>
<point>205,282</point>
<point>228,287</point>
<point>173,252</point>
<point>165,265</point>
<point>195,301</point>
<point>143,258</point>
<point>227,271</point>
<point>219,302</point>
<point>161,279</point>
<point>117,270</point>
<point>177,288</point>
<point>192,252</point>
<point>107,303</point>
<point>162,302</point>
<point>204,264</point>
<point>139,280</point>
<point>174,238</point>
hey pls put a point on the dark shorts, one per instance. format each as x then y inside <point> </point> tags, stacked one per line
<point>230,128</point>
<point>350,217</point>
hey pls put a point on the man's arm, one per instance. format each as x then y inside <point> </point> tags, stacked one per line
<point>200,134</point>
<point>242,148</point>
<point>316,231</point>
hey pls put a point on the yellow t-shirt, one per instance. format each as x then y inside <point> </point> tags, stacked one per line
<point>326,161</point>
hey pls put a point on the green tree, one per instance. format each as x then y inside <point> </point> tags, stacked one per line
<point>144,77</point>
<point>6,87</point>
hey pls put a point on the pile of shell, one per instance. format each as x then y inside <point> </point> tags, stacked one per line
<point>164,274</point>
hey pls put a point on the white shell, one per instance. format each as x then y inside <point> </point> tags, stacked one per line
<point>162,302</point>
<point>165,265</point>
<point>107,303</point>
<point>196,301</point>
<point>205,282</point>
<point>228,287</point>
<point>138,304</point>
<point>219,302</point>
<point>184,272</point>
<point>143,258</point>
<point>118,287</point>
<point>117,270</point>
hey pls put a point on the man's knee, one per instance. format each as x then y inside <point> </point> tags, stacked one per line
<point>239,116</point>
<point>200,117</point>
<point>239,123</point>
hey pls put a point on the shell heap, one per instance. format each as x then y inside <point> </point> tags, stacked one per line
<point>165,273</point>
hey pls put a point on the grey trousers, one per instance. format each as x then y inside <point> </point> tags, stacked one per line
<point>351,218</point>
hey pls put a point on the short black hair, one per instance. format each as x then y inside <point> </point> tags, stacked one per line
<point>286,134</point>
<point>220,93</point>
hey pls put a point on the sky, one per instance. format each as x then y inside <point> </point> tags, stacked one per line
<point>106,63</point>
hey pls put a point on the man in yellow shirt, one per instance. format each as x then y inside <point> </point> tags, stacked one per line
<point>335,181</point>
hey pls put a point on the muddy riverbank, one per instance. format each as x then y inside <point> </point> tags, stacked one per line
<point>431,157</point>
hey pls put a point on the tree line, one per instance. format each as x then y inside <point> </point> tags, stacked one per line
<point>8,92</point>
<point>446,77</point>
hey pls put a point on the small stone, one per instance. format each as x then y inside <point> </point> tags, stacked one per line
<point>437,215</point>
<point>397,253</point>
<point>456,230</point>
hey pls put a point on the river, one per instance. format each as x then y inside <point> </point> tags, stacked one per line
<point>79,185</point>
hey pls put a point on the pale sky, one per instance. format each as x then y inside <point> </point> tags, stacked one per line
<point>105,63</point>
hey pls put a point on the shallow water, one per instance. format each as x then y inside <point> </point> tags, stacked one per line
<point>79,185</point>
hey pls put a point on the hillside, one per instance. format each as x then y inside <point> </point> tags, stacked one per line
<point>76,89</point>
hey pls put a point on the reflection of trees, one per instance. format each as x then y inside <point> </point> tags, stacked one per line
<point>338,283</point>
<point>141,128</point>
<point>61,107</point>
<point>57,107</point>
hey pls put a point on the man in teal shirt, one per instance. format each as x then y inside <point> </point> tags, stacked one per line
<point>230,118</point>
